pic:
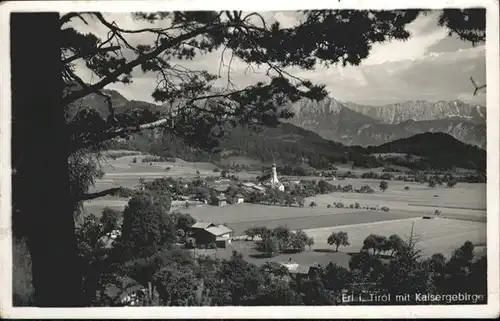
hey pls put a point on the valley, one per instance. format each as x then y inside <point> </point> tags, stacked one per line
<point>462,210</point>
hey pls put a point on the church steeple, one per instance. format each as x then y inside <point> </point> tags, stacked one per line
<point>274,178</point>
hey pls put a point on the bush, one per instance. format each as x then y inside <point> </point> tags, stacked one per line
<point>383,186</point>
<point>351,206</point>
<point>190,243</point>
<point>216,170</point>
<point>134,160</point>
<point>385,208</point>
<point>328,206</point>
<point>357,206</point>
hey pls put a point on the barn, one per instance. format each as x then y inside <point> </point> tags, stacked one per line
<point>206,233</point>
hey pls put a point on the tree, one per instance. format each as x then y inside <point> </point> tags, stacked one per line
<point>260,231</point>
<point>242,281</point>
<point>324,186</point>
<point>377,243</point>
<point>146,226</point>
<point>338,238</point>
<point>300,201</point>
<point>437,262</point>
<point>407,188</point>
<point>432,183</point>
<point>383,186</point>
<point>66,144</point>
<point>366,266</point>
<point>110,219</point>
<point>176,286</point>
<point>183,221</point>
<point>313,204</point>
<point>310,242</point>
<point>451,183</point>
<point>276,292</point>
<point>405,273</point>
<point>335,278</point>
<point>394,244</point>
<point>271,245</point>
<point>295,242</point>
<point>251,232</point>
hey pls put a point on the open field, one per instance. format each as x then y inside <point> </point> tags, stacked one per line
<point>436,235</point>
<point>125,173</point>
<point>242,216</point>
<point>463,200</point>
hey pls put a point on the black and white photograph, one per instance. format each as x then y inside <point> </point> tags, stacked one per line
<point>222,156</point>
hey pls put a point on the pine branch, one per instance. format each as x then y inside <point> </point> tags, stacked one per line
<point>90,53</point>
<point>138,61</point>
<point>104,136</point>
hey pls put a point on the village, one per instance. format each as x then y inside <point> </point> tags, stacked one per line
<point>229,214</point>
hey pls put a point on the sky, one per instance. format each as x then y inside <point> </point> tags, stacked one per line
<point>431,66</point>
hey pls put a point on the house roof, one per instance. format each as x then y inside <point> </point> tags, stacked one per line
<point>202,225</point>
<point>300,269</point>
<point>122,287</point>
<point>221,198</point>
<point>239,196</point>
<point>219,230</point>
<point>296,268</point>
<point>221,188</point>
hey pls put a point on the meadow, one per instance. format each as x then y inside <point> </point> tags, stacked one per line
<point>436,235</point>
<point>467,201</point>
<point>242,216</point>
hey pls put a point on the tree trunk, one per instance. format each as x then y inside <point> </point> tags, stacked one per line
<point>41,194</point>
<point>337,249</point>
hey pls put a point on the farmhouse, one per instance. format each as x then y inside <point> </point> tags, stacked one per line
<point>252,186</point>
<point>222,181</point>
<point>219,189</point>
<point>208,233</point>
<point>221,200</point>
<point>297,270</point>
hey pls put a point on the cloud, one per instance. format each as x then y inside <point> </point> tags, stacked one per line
<point>424,34</point>
<point>431,65</point>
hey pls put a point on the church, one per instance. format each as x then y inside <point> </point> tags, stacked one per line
<point>274,182</point>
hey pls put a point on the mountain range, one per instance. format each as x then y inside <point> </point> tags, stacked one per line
<point>330,131</point>
<point>363,125</point>
<point>354,124</point>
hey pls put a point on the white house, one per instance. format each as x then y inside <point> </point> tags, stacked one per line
<point>240,199</point>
